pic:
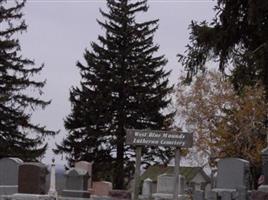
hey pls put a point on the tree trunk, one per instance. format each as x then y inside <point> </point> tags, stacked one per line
<point>119,169</point>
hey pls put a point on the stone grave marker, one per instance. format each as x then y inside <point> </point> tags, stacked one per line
<point>147,188</point>
<point>9,168</point>
<point>32,178</point>
<point>84,165</point>
<point>199,195</point>
<point>165,184</point>
<point>76,183</point>
<point>165,187</point>
<point>102,188</point>
<point>232,181</point>
<point>233,173</point>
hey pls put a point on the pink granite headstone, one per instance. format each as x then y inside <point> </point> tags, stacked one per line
<point>102,188</point>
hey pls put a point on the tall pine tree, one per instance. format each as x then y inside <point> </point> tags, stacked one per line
<point>237,36</point>
<point>19,137</point>
<point>123,86</point>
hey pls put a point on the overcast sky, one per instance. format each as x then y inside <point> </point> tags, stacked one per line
<point>59,31</point>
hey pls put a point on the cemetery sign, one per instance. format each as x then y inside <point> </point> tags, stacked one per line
<point>141,138</point>
<point>159,138</point>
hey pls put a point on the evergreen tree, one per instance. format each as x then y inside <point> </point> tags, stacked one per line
<point>123,86</point>
<point>19,137</point>
<point>238,35</point>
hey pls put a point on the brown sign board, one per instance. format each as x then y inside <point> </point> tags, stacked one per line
<point>159,138</point>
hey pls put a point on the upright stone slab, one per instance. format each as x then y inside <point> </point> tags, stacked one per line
<point>102,188</point>
<point>198,195</point>
<point>76,183</point>
<point>32,178</point>
<point>233,173</point>
<point>9,168</point>
<point>165,184</point>
<point>84,165</point>
<point>212,195</point>
<point>147,188</point>
<point>165,187</point>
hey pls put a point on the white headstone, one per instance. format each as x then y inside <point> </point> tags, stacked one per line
<point>147,187</point>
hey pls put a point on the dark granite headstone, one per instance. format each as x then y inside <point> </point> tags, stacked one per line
<point>32,178</point>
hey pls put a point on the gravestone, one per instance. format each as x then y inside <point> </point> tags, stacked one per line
<point>76,183</point>
<point>233,173</point>
<point>102,188</point>
<point>232,180</point>
<point>147,188</point>
<point>84,165</point>
<point>32,178</point>
<point>212,195</point>
<point>165,187</point>
<point>198,195</point>
<point>9,168</point>
<point>165,184</point>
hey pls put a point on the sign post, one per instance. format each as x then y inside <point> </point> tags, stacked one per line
<point>177,174</point>
<point>141,138</point>
<point>137,172</point>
